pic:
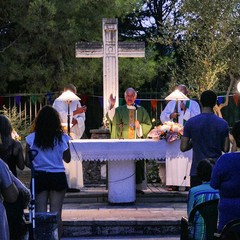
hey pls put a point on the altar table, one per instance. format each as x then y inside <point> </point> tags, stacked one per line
<point>121,156</point>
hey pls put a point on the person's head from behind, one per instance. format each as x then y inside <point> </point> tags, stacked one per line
<point>47,127</point>
<point>182,88</point>
<point>204,170</point>
<point>208,99</point>
<point>71,88</point>
<point>236,133</point>
<point>5,130</point>
<point>130,96</point>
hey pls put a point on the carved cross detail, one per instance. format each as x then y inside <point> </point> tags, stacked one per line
<point>110,50</point>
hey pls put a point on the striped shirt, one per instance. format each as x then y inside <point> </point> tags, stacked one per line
<point>197,195</point>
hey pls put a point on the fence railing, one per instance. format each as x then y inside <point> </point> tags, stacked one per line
<point>28,106</point>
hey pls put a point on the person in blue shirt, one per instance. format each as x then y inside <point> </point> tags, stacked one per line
<point>51,147</point>
<point>207,134</point>
<point>200,194</point>
<point>226,179</point>
<point>8,193</point>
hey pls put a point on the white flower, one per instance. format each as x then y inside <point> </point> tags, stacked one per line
<point>175,128</point>
<point>165,128</point>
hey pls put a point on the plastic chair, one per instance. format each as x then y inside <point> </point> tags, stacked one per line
<point>231,231</point>
<point>209,212</point>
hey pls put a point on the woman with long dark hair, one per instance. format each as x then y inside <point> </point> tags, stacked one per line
<point>11,151</point>
<point>50,146</point>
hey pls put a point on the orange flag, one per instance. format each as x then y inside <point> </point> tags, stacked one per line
<point>154,104</point>
<point>235,98</point>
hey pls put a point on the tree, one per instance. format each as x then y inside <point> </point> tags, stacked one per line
<point>38,39</point>
<point>149,22</point>
<point>207,45</point>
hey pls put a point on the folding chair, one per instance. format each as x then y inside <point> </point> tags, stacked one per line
<point>209,212</point>
<point>231,231</point>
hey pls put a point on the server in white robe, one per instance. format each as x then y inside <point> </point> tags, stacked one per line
<point>74,170</point>
<point>178,169</point>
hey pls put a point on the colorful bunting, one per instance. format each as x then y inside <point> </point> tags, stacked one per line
<point>49,98</point>
<point>84,98</point>
<point>137,101</point>
<point>235,98</point>
<point>18,100</point>
<point>120,101</point>
<point>1,101</point>
<point>33,99</point>
<point>220,100</point>
<point>154,104</point>
<point>100,99</point>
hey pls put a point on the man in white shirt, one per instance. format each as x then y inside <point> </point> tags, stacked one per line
<point>73,169</point>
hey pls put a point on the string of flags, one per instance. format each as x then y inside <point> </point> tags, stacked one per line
<point>50,96</point>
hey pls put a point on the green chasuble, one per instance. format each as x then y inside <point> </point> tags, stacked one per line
<point>121,122</point>
<point>122,126</point>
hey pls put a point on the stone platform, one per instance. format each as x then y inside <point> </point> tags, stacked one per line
<point>87,213</point>
<point>156,212</point>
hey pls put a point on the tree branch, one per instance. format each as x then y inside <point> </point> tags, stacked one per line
<point>217,109</point>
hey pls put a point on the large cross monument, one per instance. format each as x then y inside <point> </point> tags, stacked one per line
<point>110,50</point>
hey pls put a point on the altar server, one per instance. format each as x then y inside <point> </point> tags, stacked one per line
<point>130,121</point>
<point>184,111</point>
<point>77,115</point>
<point>181,112</point>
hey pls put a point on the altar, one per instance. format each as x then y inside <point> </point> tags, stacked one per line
<point>121,155</point>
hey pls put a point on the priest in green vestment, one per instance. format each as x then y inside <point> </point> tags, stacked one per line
<point>129,121</point>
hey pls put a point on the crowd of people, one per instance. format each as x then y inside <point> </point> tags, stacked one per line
<point>214,172</point>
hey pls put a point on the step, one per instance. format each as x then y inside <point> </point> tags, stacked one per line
<point>104,220</point>
<point>155,213</point>
<point>99,194</point>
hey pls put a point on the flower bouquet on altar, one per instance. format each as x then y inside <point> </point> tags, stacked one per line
<point>170,131</point>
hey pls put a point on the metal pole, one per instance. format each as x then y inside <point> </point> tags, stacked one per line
<point>135,132</point>
<point>177,109</point>
<point>68,118</point>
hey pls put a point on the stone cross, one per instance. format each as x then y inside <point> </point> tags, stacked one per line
<point>110,50</point>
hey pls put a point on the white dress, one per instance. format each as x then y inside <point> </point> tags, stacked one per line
<point>178,169</point>
<point>74,169</point>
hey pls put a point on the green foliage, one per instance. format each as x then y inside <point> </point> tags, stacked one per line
<point>153,172</point>
<point>149,22</point>
<point>19,121</point>
<point>191,42</point>
<point>37,54</point>
<point>207,49</point>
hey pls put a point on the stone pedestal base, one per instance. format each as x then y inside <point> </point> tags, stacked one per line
<point>121,182</point>
<point>92,169</point>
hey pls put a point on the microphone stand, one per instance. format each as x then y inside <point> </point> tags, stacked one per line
<point>68,117</point>
<point>177,110</point>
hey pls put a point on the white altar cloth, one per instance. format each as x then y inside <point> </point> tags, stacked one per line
<point>121,174</point>
<point>123,149</point>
